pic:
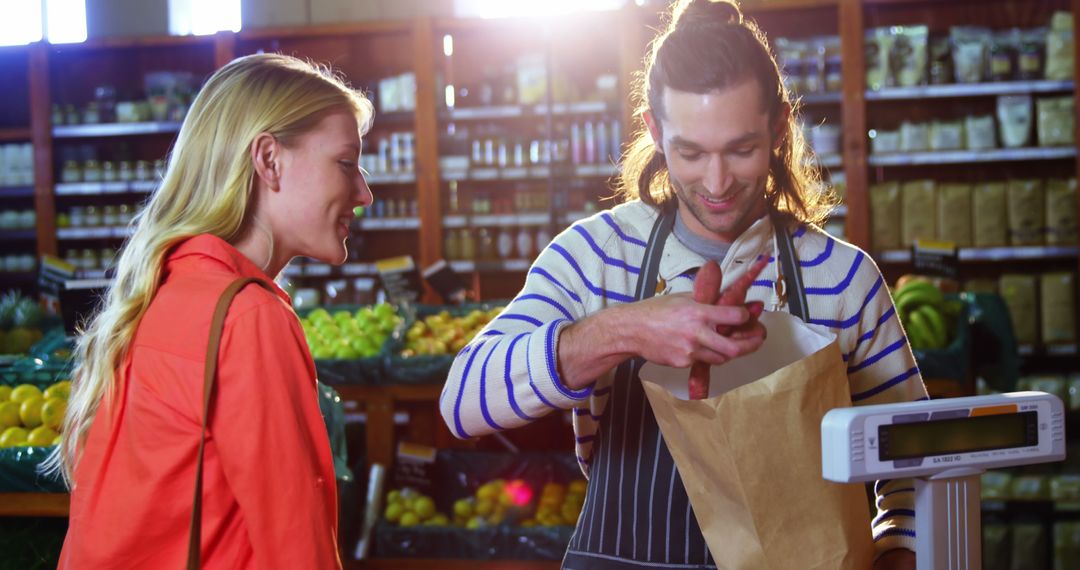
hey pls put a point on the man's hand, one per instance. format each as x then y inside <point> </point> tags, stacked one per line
<point>898,559</point>
<point>670,330</point>
<point>674,330</point>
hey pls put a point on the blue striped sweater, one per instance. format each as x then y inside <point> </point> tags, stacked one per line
<point>507,376</point>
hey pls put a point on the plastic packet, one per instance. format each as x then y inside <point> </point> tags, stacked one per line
<point>884,142</point>
<point>878,44</point>
<point>1014,116</point>
<point>1056,121</point>
<point>907,55</point>
<point>1059,47</point>
<point>946,135</point>
<point>970,45</point>
<point>1061,211</point>
<point>979,132</point>
<point>914,137</point>
<point>885,215</point>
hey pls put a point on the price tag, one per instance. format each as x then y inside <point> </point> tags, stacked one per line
<point>936,258</point>
<point>400,278</point>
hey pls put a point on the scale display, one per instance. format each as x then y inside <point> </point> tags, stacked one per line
<point>913,439</point>
<point>948,437</point>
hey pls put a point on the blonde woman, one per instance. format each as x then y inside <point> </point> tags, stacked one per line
<point>264,169</point>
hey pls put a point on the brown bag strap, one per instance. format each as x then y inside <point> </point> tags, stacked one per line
<point>217,326</point>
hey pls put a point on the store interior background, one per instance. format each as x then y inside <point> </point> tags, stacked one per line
<point>1027,510</point>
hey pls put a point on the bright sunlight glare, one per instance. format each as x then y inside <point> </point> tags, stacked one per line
<point>531,8</point>
<point>65,21</point>
<point>203,17</point>
<point>22,22</point>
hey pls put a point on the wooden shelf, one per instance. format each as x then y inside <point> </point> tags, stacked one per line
<point>491,266</point>
<point>117,232</point>
<point>1056,350</point>
<point>497,220</point>
<point>34,504</point>
<point>970,90</point>
<point>18,235</point>
<point>752,6</point>
<point>95,188</point>
<point>515,111</point>
<point>391,178</point>
<point>971,156</point>
<point>992,254</point>
<point>16,191</point>
<point>115,130</point>
<point>529,172</point>
<point>15,135</point>
<point>351,269</point>
<point>368,224</point>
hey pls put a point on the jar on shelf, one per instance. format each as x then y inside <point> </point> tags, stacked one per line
<point>77,218</point>
<point>92,216</point>
<point>57,115</point>
<point>91,171</point>
<point>71,257</point>
<point>71,172</point>
<point>142,170</point>
<point>109,216</point>
<point>124,214</point>
<point>524,243</point>
<point>504,244</point>
<point>125,171</point>
<point>452,246</point>
<point>485,245</point>
<point>106,257</point>
<point>468,244</point>
<point>90,115</point>
<point>543,237</point>
<point>88,259</point>
<point>108,172</point>
<point>159,169</point>
<point>71,115</point>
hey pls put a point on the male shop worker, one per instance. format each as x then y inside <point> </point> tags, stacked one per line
<point>720,153</point>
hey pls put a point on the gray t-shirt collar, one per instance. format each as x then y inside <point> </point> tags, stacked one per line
<point>713,249</point>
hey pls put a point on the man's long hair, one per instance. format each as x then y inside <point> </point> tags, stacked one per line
<point>709,46</point>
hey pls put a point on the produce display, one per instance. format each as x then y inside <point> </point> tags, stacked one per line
<point>30,416</point>
<point>21,320</point>
<point>929,319</point>
<point>408,507</point>
<point>349,335</point>
<point>443,333</point>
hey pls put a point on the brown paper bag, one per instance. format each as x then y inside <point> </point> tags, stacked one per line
<point>750,455</point>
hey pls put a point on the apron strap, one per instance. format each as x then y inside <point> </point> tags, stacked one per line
<point>654,251</point>
<point>789,262</point>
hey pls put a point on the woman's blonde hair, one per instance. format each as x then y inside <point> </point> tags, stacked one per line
<point>708,45</point>
<point>207,189</point>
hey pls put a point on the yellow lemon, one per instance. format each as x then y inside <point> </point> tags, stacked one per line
<point>9,415</point>
<point>60,390</point>
<point>30,411</point>
<point>484,507</point>
<point>424,507</point>
<point>5,393</point>
<point>52,412</point>
<point>578,486</point>
<point>13,436</point>
<point>394,512</point>
<point>24,392</point>
<point>42,436</point>
<point>463,508</point>
<point>409,519</point>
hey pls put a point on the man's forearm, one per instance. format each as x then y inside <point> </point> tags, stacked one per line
<point>590,347</point>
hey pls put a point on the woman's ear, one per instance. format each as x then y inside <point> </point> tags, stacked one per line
<point>266,158</point>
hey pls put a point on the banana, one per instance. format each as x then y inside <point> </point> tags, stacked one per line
<point>919,288</point>
<point>935,325</point>
<point>918,333</point>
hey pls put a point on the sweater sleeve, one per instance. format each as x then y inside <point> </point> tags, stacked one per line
<point>508,375</point>
<point>882,369</point>
<point>271,440</point>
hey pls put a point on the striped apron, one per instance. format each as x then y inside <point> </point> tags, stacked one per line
<point>636,513</point>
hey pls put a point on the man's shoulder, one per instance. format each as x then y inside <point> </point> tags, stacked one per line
<point>629,222</point>
<point>819,250</point>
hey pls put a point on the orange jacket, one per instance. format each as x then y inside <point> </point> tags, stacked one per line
<point>269,495</point>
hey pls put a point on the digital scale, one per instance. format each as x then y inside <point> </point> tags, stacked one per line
<point>945,445</point>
